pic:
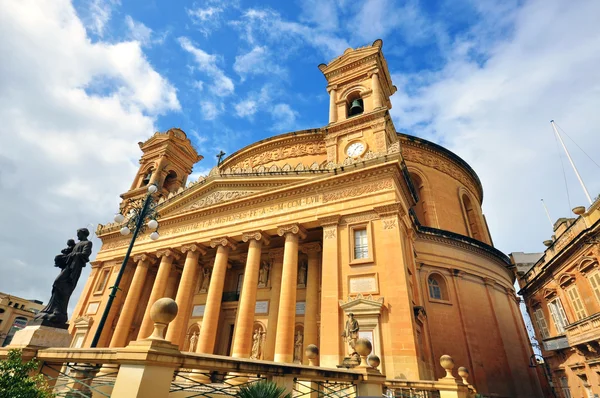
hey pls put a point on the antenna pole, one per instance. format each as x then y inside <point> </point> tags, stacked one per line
<point>548,214</point>
<point>587,194</point>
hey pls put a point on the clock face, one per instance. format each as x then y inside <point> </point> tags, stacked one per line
<point>355,149</point>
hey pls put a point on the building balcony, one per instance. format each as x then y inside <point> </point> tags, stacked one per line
<point>584,331</point>
<point>555,343</point>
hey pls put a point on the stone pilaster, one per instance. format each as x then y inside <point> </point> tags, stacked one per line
<point>332,104</point>
<point>284,342</point>
<point>242,340</point>
<point>376,89</point>
<point>210,321</point>
<point>158,289</point>
<point>131,301</point>
<point>185,291</point>
<point>312,290</point>
<point>330,310</point>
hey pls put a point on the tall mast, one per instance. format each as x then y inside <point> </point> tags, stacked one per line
<point>587,194</point>
<point>547,213</point>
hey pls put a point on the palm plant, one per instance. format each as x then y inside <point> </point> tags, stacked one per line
<point>263,389</point>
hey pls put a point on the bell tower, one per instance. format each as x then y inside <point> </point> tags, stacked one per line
<point>167,161</point>
<point>360,87</point>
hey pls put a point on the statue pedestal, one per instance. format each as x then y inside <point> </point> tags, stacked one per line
<point>349,362</point>
<point>38,336</point>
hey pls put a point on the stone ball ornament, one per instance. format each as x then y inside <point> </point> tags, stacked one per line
<point>162,312</point>
<point>373,361</point>
<point>448,364</point>
<point>311,352</point>
<point>363,347</point>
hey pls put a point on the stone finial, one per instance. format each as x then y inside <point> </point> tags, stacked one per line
<point>162,312</point>
<point>311,352</point>
<point>448,364</point>
<point>373,361</point>
<point>363,347</point>
<point>464,374</point>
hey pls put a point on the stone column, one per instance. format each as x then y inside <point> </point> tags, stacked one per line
<point>131,301</point>
<point>284,342</point>
<point>185,292</point>
<point>276,258</point>
<point>210,321</point>
<point>157,173</point>
<point>376,90</point>
<point>312,291</point>
<point>242,340</point>
<point>329,346</point>
<point>158,289</point>
<point>332,104</point>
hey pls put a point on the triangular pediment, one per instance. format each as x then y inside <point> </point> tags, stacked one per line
<point>350,57</point>
<point>360,304</point>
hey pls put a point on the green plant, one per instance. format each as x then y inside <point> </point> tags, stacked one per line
<point>263,389</point>
<point>16,381</point>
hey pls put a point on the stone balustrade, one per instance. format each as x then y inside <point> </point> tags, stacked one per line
<point>584,331</point>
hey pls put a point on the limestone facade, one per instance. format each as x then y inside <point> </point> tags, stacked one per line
<point>270,251</point>
<point>562,294</point>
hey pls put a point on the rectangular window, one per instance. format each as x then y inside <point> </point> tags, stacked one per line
<point>564,385</point>
<point>361,244</point>
<point>595,282</point>
<point>558,315</point>
<point>541,323</point>
<point>102,281</point>
<point>576,302</point>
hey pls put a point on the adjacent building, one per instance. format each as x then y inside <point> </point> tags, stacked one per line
<point>280,243</point>
<point>562,294</point>
<point>15,313</point>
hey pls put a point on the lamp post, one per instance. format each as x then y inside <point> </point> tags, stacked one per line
<point>137,218</point>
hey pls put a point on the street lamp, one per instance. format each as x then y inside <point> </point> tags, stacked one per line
<point>139,218</point>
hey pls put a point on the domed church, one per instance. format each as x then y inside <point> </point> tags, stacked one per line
<point>306,236</point>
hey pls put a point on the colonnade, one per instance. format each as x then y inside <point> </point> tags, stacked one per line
<point>284,305</point>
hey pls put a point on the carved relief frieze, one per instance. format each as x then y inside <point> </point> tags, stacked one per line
<point>389,224</point>
<point>214,198</point>
<point>358,191</point>
<point>360,217</point>
<point>280,153</point>
<point>329,232</point>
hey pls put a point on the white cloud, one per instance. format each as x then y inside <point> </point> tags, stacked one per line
<point>284,117</point>
<point>72,112</point>
<point>258,61</point>
<point>222,85</point>
<point>99,13</point>
<point>495,114</point>
<point>246,108</point>
<point>138,31</point>
<point>210,110</point>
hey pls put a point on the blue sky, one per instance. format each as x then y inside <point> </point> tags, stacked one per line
<point>82,83</point>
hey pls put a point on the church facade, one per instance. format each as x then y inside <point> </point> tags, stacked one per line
<point>280,243</point>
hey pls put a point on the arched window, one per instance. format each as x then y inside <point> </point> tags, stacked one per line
<point>472,218</point>
<point>171,181</point>
<point>147,177</point>
<point>437,287</point>
<point>354,105</point>
<point>421,206</point>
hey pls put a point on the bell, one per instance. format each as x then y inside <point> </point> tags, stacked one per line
<point>356,108</point>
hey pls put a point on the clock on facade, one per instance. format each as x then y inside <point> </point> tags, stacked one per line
<point>355,149</point>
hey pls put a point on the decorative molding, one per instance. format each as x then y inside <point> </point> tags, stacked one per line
<point>310,248</point>
<point>364,189</point>
<point>256,235</point>
<point>389,224</point>
<point>358,217</point>
<point>167,253</point>
<point>362,304</point>
<point>143,257</point>
<point>263,155</point>
<point>390,210</point>
<point>214,198</point>
<point>223,241</point>
<point>330,232</point>
<point>295,229</point>
<point>329,220</point>
<point>193,248</point>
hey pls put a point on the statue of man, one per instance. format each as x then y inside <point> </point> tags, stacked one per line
<point>302,274</point>
<point>351,333</point>
<point>263,274</point>
<point>298,347</point>
<point>71,261</point>
<point>193,342</point>
<point>205,280</point>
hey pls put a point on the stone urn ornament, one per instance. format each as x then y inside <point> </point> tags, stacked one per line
<point>448,364</point>
<point>373,361</point>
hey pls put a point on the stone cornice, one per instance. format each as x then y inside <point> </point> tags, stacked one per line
<point>329,220</point>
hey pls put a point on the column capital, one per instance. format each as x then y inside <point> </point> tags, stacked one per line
<point>96,264</point>
<point>143,257</point>
<point>332,87</point>
<point>373,72</point>
<point>167,253</point>
<point>295,229</point>
<point>390,210</point>
<point>329,220</point>
<point>256,235</point>
<point>193,247</point>
<point>276,253</point>
<point>223,241</point>
<point>310,248</point>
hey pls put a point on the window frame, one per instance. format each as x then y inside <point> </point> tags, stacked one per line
<point>352,243</point>
<point>103,273</point>
<point>542,325</point>
<point>590,277</point>
<point>558,315</point>
<point>571,292</point>
<point>442,286</point>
